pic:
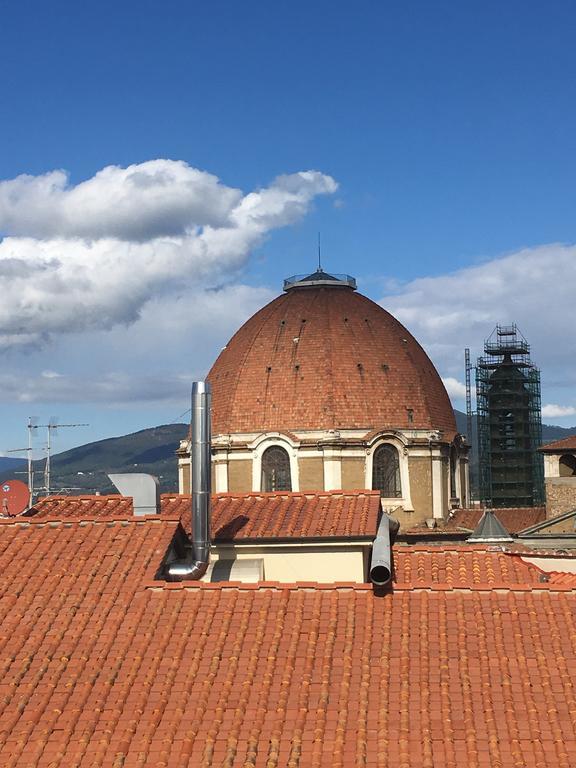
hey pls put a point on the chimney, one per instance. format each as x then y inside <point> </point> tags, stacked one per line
<point>381,562</point>
<point>196,565</point>
<point>143,488</point>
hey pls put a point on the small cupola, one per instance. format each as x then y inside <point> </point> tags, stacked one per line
<point>319,278</point>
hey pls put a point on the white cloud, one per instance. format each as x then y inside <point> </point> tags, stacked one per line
<point>51,375</point>
<point>159,198</point>
<point>110,388</point>
<point>91,256</point>
<point>456,390</point>
<point>174,342</point>
<point>553,411</point>
<point>534,288</point>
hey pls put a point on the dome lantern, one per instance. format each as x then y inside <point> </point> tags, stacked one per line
<point>319,278</point>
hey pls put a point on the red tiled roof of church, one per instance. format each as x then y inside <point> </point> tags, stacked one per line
<point>326,358</point>
<point>514,519</point>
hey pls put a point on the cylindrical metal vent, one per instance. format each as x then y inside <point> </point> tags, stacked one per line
<point>381,563</point>
<point>201,480</point>
<point>201,471</point>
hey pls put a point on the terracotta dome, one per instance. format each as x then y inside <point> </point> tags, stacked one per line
<point>321,357</point>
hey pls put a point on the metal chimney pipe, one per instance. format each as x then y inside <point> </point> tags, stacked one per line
<point>381,562</point>
<point>201,479</point>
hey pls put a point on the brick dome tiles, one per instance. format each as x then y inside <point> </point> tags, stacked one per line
<point>320,358</point>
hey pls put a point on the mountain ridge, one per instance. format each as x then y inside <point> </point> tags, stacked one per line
<point>9,464</point>
<point>85,469</point>
<point>550,432</point>
<point>152,450</point>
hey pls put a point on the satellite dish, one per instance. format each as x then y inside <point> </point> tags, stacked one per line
<point>14,496</point>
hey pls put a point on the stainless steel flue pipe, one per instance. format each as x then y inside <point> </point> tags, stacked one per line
<point>201,479</point>
<point>381,562</point>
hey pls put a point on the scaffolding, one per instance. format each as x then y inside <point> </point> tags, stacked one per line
<point>509,425</point>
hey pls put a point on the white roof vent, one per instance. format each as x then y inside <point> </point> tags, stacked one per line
<point>144,489</point>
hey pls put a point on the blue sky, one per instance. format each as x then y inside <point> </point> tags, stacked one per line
<point>449,129</point>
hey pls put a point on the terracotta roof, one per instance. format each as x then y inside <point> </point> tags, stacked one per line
<point>462,565</point>
<point>566,444</point>
<point>90,506</point>
<point>104,666</point>
<point>560,577</point>
<point>326,358</point>
<point>514,519</point>
<point>245,516</point>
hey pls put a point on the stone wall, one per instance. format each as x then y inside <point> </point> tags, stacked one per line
<point>240,476</point>
<point>353,473</point>
<point>560,495</point>
<point>420,470</point>
<point>185,478</point>
<point>311,473</point>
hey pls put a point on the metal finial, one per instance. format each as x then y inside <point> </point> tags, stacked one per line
<point>319,261</point>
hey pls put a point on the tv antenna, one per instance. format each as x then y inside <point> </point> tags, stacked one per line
<point>28,452</point>
<point>52,426</point>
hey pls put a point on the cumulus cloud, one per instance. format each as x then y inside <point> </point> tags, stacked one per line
<point>159,198</point>
<point>154,360</point>
<point>455,388</point>
<point>90,256</point>
<point>110,388</point>
<point>534,288</point>
<point>553,411</point>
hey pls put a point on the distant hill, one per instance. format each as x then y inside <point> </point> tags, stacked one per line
<point>549,434</point>
<point>85,469</point>
<point>549,431</point>
<point>10,465</point>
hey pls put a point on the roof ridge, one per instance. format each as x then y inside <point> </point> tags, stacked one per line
<point>288,494</point>
<point>495,586</point>
<point>112,518</point>
<point>79,497</point>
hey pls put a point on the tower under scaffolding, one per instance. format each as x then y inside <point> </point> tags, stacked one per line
<point>509,422</point>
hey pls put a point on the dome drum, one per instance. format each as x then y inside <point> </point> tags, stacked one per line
<point>345,396</point>
<point>432,474</point>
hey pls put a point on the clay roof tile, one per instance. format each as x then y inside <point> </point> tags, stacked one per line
<point>102,665</point>
<point>328,514</point>
<point>566,444</point>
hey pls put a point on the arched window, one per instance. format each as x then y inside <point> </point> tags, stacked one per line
<point>276,470</point>
<point>386,472</point>
<point>567,465</point>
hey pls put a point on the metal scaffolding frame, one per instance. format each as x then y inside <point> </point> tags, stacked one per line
<point>509,422</point>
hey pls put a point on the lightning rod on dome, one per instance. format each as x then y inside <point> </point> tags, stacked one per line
<point>319,261</point>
